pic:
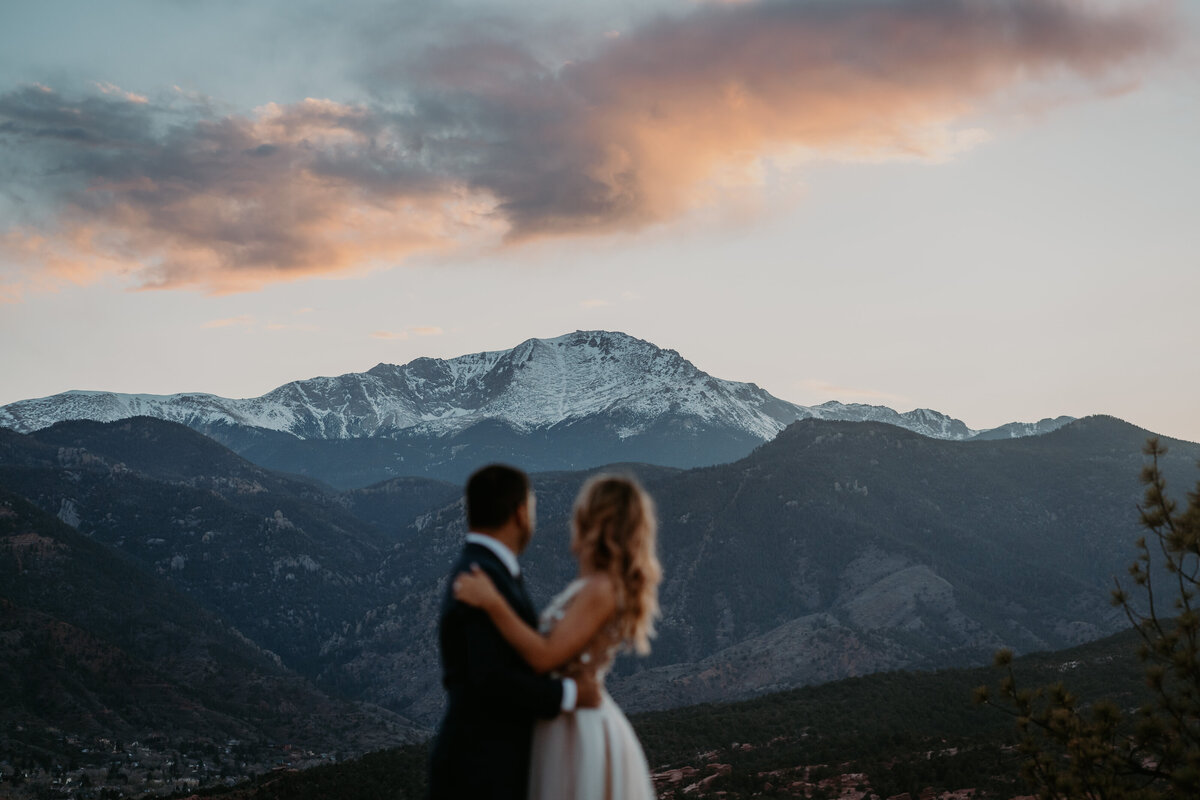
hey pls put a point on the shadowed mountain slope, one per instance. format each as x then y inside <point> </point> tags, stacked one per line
<point>94,647</point>
<point>280,558</point>
<point>836,549</point>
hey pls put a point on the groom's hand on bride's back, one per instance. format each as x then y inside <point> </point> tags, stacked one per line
<point>589,690</point>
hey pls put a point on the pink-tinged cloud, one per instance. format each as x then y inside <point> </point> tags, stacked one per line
<point>226,204</point>
<point>109,88</point>
<point>661,112</point>
<point>491,145</point>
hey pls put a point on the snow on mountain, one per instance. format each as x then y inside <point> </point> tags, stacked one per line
<point>1017,430</point>
<point>927,422</point>
<point>536,385</point>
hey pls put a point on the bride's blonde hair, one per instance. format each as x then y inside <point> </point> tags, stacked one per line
<point>614,530</point>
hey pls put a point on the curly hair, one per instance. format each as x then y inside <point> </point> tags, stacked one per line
<point>613,529</point>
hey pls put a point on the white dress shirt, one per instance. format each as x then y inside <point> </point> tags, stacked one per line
<point>509,560</point>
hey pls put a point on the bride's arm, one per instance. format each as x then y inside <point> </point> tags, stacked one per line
<point>584,616</point>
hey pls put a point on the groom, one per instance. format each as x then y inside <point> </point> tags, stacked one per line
<point>482,749</point>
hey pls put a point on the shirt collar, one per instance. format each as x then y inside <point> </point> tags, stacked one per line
<point>505,555</point>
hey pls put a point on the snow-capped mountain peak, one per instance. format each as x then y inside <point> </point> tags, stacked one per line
<point>630,383</point>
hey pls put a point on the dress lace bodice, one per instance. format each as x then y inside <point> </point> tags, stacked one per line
<point>598,655</point>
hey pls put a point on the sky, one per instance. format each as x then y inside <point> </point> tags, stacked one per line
<point>984,208</point>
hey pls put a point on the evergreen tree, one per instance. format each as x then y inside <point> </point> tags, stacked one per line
<point>1077,751</point>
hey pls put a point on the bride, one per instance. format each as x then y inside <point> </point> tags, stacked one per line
<point>592,754</point>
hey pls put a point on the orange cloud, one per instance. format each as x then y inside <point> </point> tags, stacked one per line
<point>230,204</point>
<point>491,145</point>
<point>665,110</point>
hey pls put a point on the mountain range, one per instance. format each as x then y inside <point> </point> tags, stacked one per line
<point>836,549</point>
<point>221,570</point>
<point>94,648</point>
<point>572,402</point>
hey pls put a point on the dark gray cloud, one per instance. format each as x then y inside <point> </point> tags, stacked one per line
<point>478,135</point>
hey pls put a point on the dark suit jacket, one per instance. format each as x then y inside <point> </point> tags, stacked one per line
<point>482,748</point>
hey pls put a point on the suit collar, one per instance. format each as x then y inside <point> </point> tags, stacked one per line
<point>506,556</point>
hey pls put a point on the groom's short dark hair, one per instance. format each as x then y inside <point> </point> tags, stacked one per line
<point>494,493</point>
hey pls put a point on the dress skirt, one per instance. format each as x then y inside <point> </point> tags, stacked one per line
<point>592,754</point>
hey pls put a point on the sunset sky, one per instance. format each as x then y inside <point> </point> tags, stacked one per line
<point>986,207</point>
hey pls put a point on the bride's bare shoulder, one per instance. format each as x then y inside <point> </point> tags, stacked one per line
<point>598,589</point>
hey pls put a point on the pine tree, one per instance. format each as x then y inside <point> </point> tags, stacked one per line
<point>1075,751</point>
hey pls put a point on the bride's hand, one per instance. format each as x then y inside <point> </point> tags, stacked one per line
<point>475,588</point>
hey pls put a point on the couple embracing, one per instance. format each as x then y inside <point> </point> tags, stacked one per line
<point>527,714</point>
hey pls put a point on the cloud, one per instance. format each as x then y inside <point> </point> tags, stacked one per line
<point>108,88</point>
<point>593,303</point>
<point>231,203</point>
<point>476,140</point>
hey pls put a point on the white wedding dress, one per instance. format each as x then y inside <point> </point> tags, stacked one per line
<point>592,754</point>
